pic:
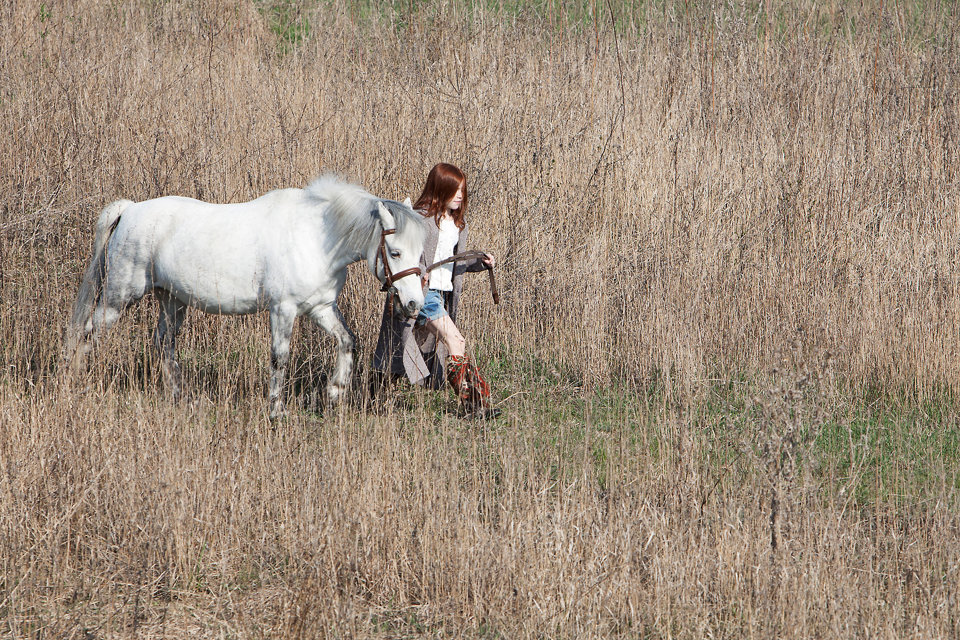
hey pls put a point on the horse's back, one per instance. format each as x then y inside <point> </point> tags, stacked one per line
<point>212,256</point>
<point>181,218</point>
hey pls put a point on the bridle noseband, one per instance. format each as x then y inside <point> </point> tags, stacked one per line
<point>389,277</point>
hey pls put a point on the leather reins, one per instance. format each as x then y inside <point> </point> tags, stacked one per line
<point>469,255</point>
<point>389,277</point>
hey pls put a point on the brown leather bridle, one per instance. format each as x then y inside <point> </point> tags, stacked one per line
<point>389,277</point>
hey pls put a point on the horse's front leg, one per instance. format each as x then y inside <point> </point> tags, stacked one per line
<point>281,326</point>
<point>330,318</point>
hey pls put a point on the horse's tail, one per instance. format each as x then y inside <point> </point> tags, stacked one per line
<point>92,283</point>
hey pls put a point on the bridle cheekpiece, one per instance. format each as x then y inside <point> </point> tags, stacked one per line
<point>389,277</point>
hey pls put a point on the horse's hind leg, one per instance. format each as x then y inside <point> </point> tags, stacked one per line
<point>172,314</point>
<point>330,318</point>
<point>78,348</point>
<point>103,317</point>
<point>82,340</point>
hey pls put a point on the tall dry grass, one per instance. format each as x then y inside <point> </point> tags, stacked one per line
<point>679,196</point>
<point>688,197</point>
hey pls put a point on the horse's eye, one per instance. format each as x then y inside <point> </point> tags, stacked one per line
<point>394,254</point>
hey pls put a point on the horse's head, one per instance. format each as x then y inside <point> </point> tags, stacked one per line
<point>396,259</point>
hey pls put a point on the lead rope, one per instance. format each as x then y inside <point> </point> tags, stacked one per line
<point>467,255</point>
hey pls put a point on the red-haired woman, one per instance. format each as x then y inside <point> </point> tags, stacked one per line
<point>430,348</point>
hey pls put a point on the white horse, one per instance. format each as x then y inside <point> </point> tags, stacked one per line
<point>286,252</point>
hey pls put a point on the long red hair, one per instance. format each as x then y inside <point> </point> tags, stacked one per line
<point>442,184</point>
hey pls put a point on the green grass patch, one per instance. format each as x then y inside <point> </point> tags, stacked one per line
<point>860,446</point>
<point>289,20</point>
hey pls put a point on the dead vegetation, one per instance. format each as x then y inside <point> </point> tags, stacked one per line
<point>692,206</point>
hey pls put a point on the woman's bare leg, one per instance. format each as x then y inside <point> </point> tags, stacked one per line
<point>462,374</point>
<point>444,329</point>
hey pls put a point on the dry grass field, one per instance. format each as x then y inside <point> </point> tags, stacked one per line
<point>727,352</point>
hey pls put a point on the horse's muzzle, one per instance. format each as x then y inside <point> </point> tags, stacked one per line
<point>412,308</point>
<point>409,310</point>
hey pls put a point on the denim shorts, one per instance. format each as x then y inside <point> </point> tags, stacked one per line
<point>432,308</point>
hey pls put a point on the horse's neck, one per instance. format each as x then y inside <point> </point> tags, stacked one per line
<point>347,249</point>
<point>345,242</point>
<point>343,256</point>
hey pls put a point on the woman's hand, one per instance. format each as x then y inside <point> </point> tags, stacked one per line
<point>489,260</point>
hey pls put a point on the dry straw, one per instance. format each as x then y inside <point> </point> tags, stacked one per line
<point>678,194</point>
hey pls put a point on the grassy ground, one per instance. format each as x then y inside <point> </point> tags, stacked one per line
<point>726,349</point>
<point>576,513</point>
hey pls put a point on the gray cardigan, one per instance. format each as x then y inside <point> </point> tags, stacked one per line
<point>403,348</point>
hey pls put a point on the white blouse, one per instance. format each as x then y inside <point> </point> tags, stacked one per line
<point>441,278</point>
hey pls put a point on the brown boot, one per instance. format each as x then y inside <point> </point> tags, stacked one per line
<point>470,387</point>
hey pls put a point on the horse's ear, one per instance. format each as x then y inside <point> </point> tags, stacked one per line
<point>386,218</point>
<point>407,202</point>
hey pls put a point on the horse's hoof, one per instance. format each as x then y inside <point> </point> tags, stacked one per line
<point>184,398</point>
<point>335,394</point>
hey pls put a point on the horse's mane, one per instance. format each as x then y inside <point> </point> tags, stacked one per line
<point>352,210</point>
